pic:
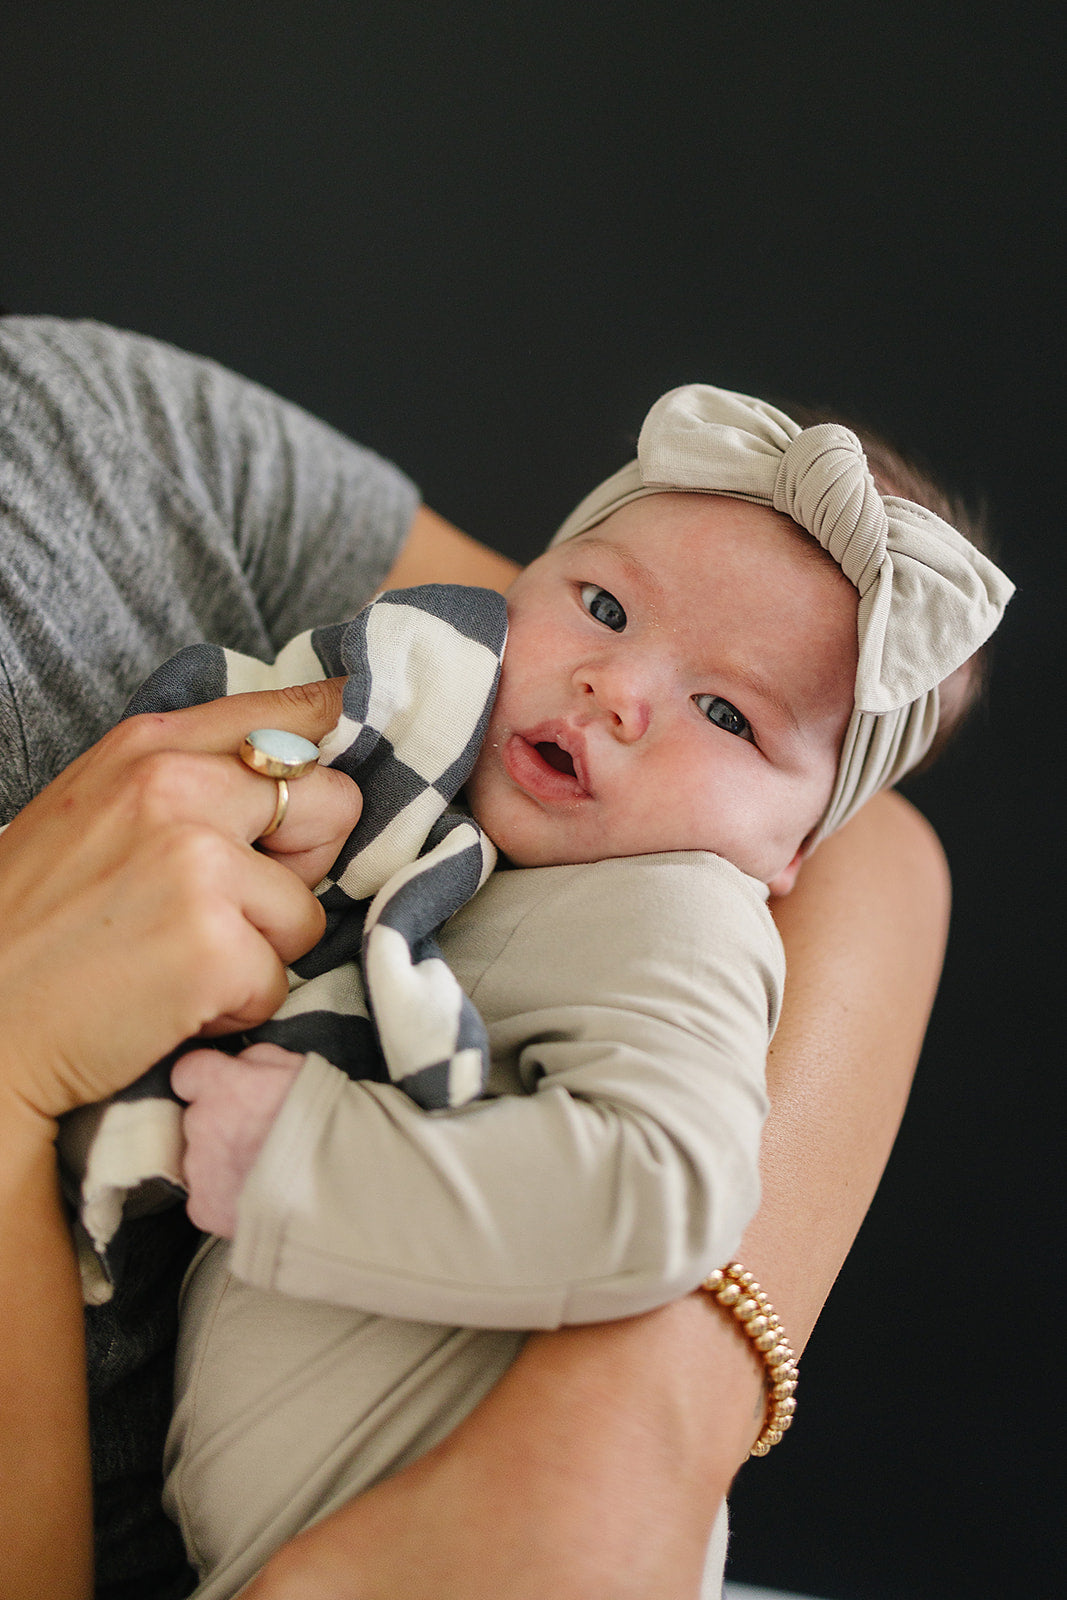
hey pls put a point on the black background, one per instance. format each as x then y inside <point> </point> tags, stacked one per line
<point>483,238</point>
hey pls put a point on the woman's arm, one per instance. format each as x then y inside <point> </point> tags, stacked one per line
<point>133,911</point>
<point>81,944</point>
<point>865,935</point>
<point>45,1511</point>
<point>436,552</point>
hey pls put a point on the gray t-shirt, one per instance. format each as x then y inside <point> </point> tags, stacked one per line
<point>150,499</point>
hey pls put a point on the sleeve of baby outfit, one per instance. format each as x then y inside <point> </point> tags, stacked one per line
<point>633,1001</point>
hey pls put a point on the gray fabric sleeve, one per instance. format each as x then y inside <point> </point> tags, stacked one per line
<point>150,500</point>
<point>639,999</point>
<point>315,519</point>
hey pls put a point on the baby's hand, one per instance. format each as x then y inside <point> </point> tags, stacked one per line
<point>232,1102</point>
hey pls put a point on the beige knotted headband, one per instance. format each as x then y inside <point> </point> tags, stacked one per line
<point>928,598</point>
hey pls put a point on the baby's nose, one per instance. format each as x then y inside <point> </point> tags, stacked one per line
<point>622,699</point>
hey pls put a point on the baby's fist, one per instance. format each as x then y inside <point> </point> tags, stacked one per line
<point>232,1102</point>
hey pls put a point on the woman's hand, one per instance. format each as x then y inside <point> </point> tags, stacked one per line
<point>134,911</point>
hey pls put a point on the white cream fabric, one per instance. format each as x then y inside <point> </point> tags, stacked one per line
<point>927,598</point>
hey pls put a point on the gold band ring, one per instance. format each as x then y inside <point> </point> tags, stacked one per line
<point>279,810</point>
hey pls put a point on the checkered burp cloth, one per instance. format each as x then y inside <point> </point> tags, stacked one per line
<point>374,996</point>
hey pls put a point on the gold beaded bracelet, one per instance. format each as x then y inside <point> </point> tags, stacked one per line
<point>740,1294</point>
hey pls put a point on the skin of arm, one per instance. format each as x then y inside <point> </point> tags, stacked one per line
<point>128,888</point>
<point>595,1468</point>
<point>437,552</point>
<point>46,1519</point>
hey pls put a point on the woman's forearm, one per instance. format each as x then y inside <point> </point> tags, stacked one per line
<point>592,1471</point>
<point>865,934</point>
<point>435,551</point>
<point>45,1512</point>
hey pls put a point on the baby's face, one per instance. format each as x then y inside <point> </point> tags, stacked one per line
<point>678,678</point>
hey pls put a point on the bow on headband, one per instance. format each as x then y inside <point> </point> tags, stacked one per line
<point>927,598</point>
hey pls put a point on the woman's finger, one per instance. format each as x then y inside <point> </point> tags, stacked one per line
<point>323,808</point>
<point>168,786</point>
<point>278,905</point>
<point>129,786</point>
<point>186,934</point>
<point>310,709</point>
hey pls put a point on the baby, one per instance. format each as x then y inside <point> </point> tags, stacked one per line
<point>728,648</point>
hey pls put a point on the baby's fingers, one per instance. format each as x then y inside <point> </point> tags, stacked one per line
<point>202,1073</point>
<point>231,1105</point>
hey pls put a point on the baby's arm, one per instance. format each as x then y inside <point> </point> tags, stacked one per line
<point>634,1002</point>
<point>233,1100</point>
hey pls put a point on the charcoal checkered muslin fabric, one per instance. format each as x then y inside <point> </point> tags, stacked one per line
<point>374,997</point>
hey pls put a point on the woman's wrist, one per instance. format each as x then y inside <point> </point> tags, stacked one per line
<point>27,1134</point>
<point>675,1389</point>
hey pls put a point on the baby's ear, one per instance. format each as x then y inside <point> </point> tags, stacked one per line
<point>783,881</point>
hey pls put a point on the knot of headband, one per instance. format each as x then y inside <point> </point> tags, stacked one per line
<point>927,598</point>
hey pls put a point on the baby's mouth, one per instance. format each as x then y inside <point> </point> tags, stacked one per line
<point>546,770</point>
<point>556,757</point>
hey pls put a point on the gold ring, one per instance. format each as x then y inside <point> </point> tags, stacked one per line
<point>279,810</point>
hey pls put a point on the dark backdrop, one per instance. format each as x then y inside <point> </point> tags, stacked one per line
<point>483,238</point>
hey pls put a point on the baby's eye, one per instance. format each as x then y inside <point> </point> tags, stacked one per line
<point>603,607</point>
<point>723,714</point>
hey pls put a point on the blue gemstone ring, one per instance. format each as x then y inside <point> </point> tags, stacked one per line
<point>277,754</point>
<point>281,756</point>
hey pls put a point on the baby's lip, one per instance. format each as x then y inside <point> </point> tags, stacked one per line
<point>569,740</point>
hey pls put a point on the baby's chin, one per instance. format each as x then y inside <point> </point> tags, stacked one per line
<point>526,856</point>
<point>518,856</point>
<point>515,851</point>
<point>775,868</point>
